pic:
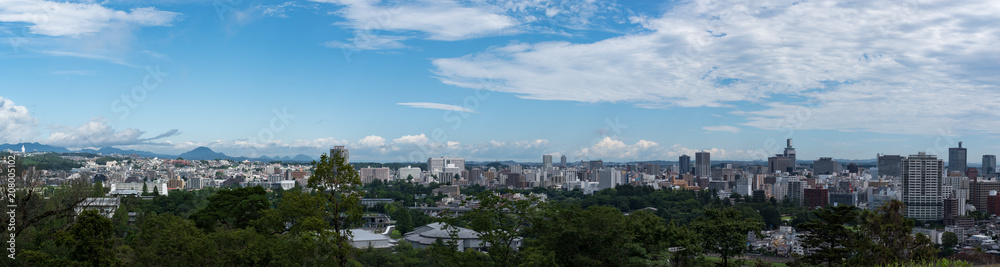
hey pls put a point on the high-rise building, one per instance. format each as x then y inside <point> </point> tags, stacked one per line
<point>685,164</point>
<point>546,162</point>
<point>702,164</point>
<point>957,159</point>
<point>816,197</point>
<point>922,192</point>
<point>596,164</point>
<point>989,164</point>
<point>445,164</point>
<point>790,151</point>
<point>652,169</point>
<point>795,190</point>
<point>562,161</point>
<point>890,166</point>
<point>826,166</point>
<point>343,152</point>
<point>780,163</point>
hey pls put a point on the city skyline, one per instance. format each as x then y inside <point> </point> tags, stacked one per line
<point>616,81</point>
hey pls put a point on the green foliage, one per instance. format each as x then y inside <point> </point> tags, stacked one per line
<point>829,235</point>
<point>168,240</point>
<point>886,238</point>
<point>232,208</point>
<point>338,183</point>
<point>500,222</point>
<point>725,231</point>
<point>49,161</point>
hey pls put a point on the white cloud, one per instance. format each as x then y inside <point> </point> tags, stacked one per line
<point>385,24</point>
<point>411,139</point>
<point>441,19</point>
<point>436,106</point>
<point>610,149</point>
<point>371,141</point>
<point>722,128</point>
<point>72,19</point>
<point>99,133</point>
<point>370,42</point>
<point>857,65</point>
<point>16,124</point>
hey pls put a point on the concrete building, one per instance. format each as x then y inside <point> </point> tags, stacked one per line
<point>922,192</point>
<point>780,164</point>
<point>609,178</point>
<point>405,173</point>
<point>562,161</point>
<point>361,238</point>
<point>684,164</point>
<point>703,164</point>
<point>794,191</point>
<point>437,166</point>
<point>546,162</point>
<point>343,152</point>
<point>989,164</point>
<point>816,197</point>
<point>979,190</point>
<point>790,152</point>
<point>957,159</point>
<point>370,174</point>
<point>106,206</point>
<point>826,166</point>
<point>890,166</point>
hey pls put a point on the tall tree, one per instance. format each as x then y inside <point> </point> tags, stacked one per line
<point>338,184</point>
<point>500,222</point>
<point>829,235</point>
<point>886,238</point>
<point>724,231</point>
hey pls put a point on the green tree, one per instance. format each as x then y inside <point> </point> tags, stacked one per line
<point>338,184</point>
<point>168,240</point>
<point>297,212</point>
<point>500,222</point>
<point>724,231</point>
<point>232,208</point>
<point>948,242</point>
<point>829,235</point>
<point>886,238</point>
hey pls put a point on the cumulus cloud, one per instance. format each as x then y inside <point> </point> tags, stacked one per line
<point>616,150</point>
<point>436,106</point>
<point>857,65</point>
<point>99,133</point>
<point>371,141</point>
<point>16,124</point>
<point>71,19</point>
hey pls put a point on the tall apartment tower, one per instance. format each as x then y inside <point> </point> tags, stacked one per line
<point>957,159</point>
<point>703,165</point>
<point>562,161</point>
<point>890,166</point>
<point>546,162</point>
<point>685,164</point>
<point>343,152</point>
<point>922,187</point>
<point>989,164</point>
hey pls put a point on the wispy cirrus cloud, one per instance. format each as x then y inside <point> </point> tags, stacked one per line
<point>722,128</point>
<point>436,106</point>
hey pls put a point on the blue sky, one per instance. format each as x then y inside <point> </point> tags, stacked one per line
<point>511,79</point>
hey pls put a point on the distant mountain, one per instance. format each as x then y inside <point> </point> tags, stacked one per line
<point>302,158</point>
<point>32,147</point>
<point>112,150</point>
<point>203,153</point>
